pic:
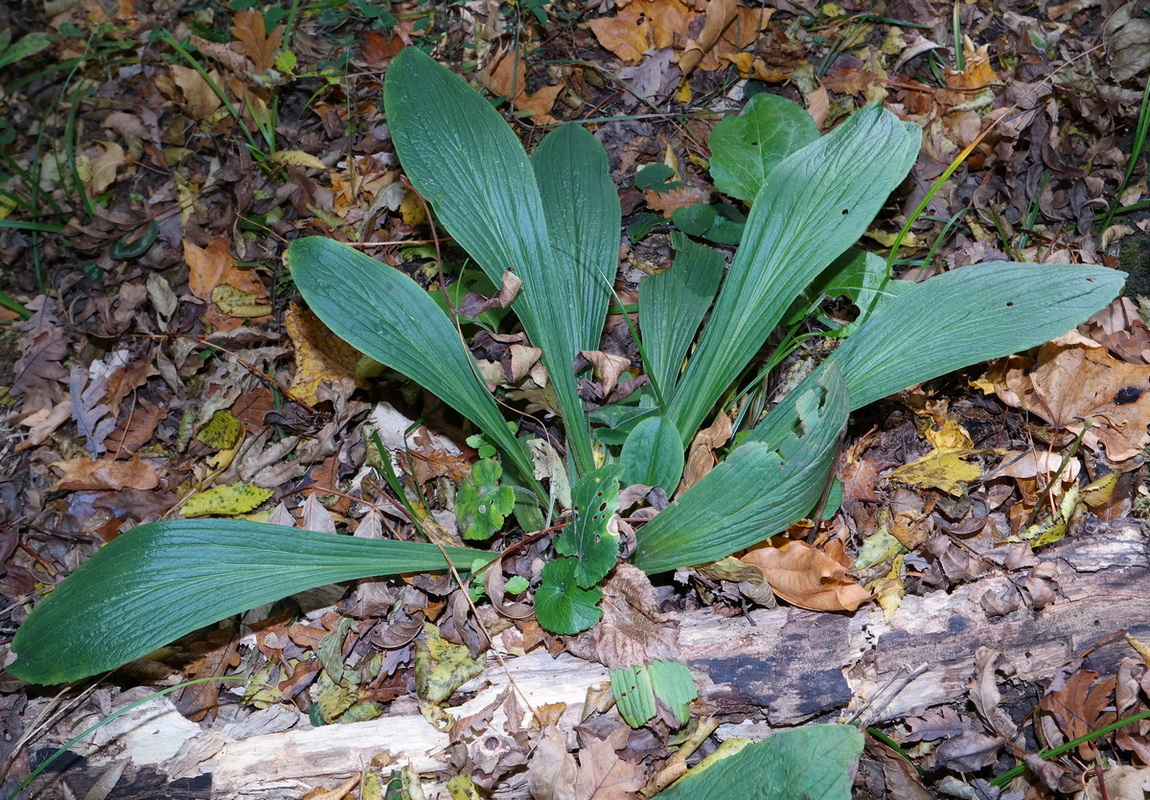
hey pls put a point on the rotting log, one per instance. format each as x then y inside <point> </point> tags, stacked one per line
<point>767,670</point>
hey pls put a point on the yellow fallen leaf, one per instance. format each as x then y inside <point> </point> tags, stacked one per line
<point>236,303</point>
<point>238,498</point>
<point>945,467</point>
<point>298,158</point>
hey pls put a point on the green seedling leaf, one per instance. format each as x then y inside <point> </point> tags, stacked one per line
<point>638,689</point>
<point>653,455</point>
<point>386,315</point>
<point>744,149</point>
<point>516,584</point>
<point>482,504</point>
<point>24,47</point>
<point>728,225</point>
<point>657,178</point>
<point>816,762</point>
<point>815,204</point>
<point>465,160</point>
<point>695,220</point>
<point>238,498</point>
<point>672,305</point>
<point>160,581</point>
<point>561,606</point>
<point>762,488</point>
<point>593,536</point>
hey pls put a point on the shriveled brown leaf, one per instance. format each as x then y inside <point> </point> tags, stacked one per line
<point>1073,380</point>
<point>84,474</point>
<point>602,774</point>
<point>643,25</point>
<point>507,76</point>
<point>810,578</point>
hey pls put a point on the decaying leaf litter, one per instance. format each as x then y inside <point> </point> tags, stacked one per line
<point>153,378</point>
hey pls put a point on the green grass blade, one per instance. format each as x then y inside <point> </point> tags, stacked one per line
<point>163,580</point>
<point>815,204</point>
<point>672,305</point>
<point>757,492</point>
<point>464,159</point>
<point>384,314</point>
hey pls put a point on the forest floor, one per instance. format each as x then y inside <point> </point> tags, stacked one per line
<point>157,362</point>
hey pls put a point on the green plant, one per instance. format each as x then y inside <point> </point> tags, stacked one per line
<point>553,220</point>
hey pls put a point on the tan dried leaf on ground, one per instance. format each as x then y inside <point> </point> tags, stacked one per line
<point>507,76</point>
<point>643,25</point>
<point>810,578</point>
<point>1075,379</point>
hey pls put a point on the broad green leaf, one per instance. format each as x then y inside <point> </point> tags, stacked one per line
<point>672,304</point>
<point>695,220</point>
<point>592,537</point>
<point>28,45</point>
<point>482,503</point>
<point>744,149</point>
<point>386,315</point>
<point>653,455</point>
<point>815,762</point>
<point>160,581</point>
<point>956,319</point>
<point>761,489</point>
<point>634,696</point>
<point>638,688</point>
<point>561,606</point>
<point>858,275</point>
<point>465,160</point>
<point>816,203</point>
<point>583,220</point>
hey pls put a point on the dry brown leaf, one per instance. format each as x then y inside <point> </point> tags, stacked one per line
<point>607,368</point>
<point>810,578</point>
<point>701,457</point>
<point>643,25</point>
<point>213,266</point>
<point>104,167</point>
<point>739,35</point>
<point>1075,379</point>
<point>602,774</point>
<point>83,474</point>
<point>552,771</point>
<point>201,100</point>
<point>507,76</point>
<point>319,356</point>
<point>254,40</point>
<point>718,15</point>
<point>1081,706</point>
<point>683,197</point>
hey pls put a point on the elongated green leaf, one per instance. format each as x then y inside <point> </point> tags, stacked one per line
<point>815,204</point>
<point>653,455</point>
<point>160,581</point>
<point>956,319</point>
<point>464,159</point>
<point>384,314</point>
<point>583,220</point>
<point>744,149</point>
<point>672,304</point>
<point>816,762</point>
<point>758,491</point>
